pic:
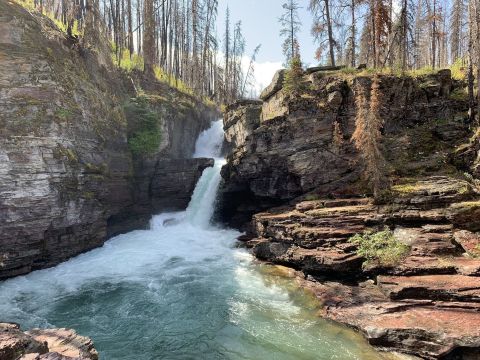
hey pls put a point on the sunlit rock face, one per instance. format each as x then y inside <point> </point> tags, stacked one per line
<point>68,180</point>
<point>47,344</point>
<point>300,156</point>
<point>302,144</point>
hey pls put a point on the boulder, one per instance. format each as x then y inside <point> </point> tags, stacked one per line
<point>13,342</point>
<point>469,241</point>
<point>275,86</point>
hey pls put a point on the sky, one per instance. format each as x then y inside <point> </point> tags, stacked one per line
<point>260,26</point>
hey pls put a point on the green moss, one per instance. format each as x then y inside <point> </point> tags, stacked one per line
<point>405,189</point>
<point>459,94</point>
<point>466,205</point>
<point>62,152</point>
<point>145,135</point>
<point>312,197</point>
<point>96,169</point>
<point>380,248</point>
<point>89,195</point>
<point>63,114</point>
<point>49,52</point>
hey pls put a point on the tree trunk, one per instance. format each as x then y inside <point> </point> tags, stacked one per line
<point>149,39</point>
<point>353,34</point>
<point>373,31</point>
<point>130,27</point>
<point>331,41</point>
<point>434,34</point>
<point>471,34</point>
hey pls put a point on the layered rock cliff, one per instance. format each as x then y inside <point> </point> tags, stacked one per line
<point>46,344</point>
<point>68,177</point>
<point>403,269</point>
<point>284,146</point>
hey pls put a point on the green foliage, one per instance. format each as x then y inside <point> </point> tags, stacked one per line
<point>349,70</point>
<point>135,62</point>
<point>293,83</point>
<point>426,70</point>
<point>380,248</point>
<point>145,138</point>
<point>127,62</point>
<point>312,197</point>
<point>63,114</point>
<point>459,94</point>
<point>459,71</point>
<point>29,5</point>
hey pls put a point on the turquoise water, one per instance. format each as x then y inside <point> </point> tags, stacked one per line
<point>180,290</point>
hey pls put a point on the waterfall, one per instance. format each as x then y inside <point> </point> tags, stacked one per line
<point>180,290</point>
<point>202,205</point>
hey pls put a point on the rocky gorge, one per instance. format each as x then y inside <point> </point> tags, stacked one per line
<point>88,152</point>
<point>69,180</point>
<point>293,165</point>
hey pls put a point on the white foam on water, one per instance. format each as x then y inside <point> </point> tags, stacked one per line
<point>179,290</point>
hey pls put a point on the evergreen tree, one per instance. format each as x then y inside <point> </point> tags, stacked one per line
<point>293,83</point>
<point>290,23</point>
<point>368,136</point>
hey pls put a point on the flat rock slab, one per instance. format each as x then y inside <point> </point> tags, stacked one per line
<point>432,265</point>
<point>319,261</point>
<point>13,342</point>
<point>422,330</point>
<point>431,287</point>
<point>66,343</point>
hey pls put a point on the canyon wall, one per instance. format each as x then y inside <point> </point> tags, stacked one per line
<point>285,147</point>
<point>402,268</point>
<point>68,178</point>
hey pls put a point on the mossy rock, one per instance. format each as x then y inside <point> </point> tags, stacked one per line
<point>465,215</point>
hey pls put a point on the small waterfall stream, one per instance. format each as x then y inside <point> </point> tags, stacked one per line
<point>180,290</point>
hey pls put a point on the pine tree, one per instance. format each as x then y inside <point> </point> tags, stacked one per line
<point>368,136</point>
<point>290,23</point>
<point>293,83</point>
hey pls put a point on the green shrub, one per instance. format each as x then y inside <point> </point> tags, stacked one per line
<point>459,94</point>
<point>380,248</point>
<point>312,197</point>
<point>145,135</point>
<point>293,83</point>
<point>144,142</point>
<point>459,69</point>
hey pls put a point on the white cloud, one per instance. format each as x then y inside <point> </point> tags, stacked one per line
<point>263,73</point>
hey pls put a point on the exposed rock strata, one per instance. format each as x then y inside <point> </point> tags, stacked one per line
<point>48,344</point>
<point>428,304</point>
<point>290,150</point>
<point>67,177</point>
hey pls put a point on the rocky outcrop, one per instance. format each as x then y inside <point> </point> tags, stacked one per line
<point>275,86</point>
<point>68,179</point>
<point>410,282</point>
<point>426,303</point>
<point>303,145</point>
<point>47,344</point>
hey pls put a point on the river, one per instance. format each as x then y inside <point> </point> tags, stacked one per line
<point>180,290</point>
